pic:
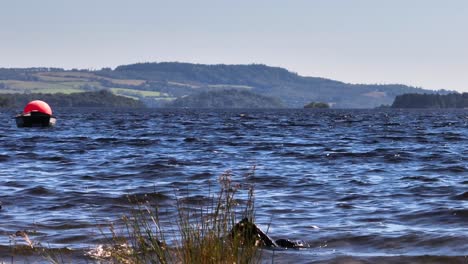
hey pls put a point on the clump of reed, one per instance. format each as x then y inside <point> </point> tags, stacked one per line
<point>30,249</point>
<point>200,233</point>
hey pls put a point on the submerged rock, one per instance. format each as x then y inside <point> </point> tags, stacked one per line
<point>249,233</point>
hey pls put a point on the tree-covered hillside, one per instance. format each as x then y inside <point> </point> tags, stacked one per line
<point>294,90</point>
<point>157,83</point>
<point>85,99</point>
<point>453,100</point>
<point>226,99</point>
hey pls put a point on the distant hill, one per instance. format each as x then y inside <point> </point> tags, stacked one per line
<point>226,99</point>
<point>85,99</point>
<point>453,100</point>
<point>158,83</point>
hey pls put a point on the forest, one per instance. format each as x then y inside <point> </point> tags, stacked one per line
<point>452,100</point>
<point>226,99</point>
<point>85,99</point>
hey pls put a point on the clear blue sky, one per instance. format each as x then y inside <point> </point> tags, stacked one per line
<point>422,43</point>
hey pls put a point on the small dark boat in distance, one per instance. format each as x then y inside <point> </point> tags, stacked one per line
<point>36,114</point>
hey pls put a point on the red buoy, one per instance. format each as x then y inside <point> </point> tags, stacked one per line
<point>37,106</point>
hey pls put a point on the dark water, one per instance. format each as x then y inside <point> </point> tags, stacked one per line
<point>358,186</point>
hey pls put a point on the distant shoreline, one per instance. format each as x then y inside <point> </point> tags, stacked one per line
<point>86,99</point>
<point>432,101</point>
<point>156,84</point>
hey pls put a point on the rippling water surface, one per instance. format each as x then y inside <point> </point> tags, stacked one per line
<point>379,186</point>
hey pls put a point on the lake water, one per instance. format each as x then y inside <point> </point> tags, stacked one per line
<point>386,186</point>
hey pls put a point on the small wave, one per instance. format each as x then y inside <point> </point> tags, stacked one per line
<point>394,138</point>
<point>386,259</point>
<point>457,169</point>
<point>59,224</point>
<point>359,182</point>
<point>352,197</point>
<point>201,176</point>
<point>356,155</point>
<point>452,136</point>
<point>27,155</point>
<point>462,196</point>
<point>432,157</point>
<point>344,205</point>
<point>4,158</point>
<point>264,147</point>
<point>397,157</point>
<point>303,156</point>
<point>195,200</point>
<point>141,142</point>
<point>454,169</point>
<point>392,124</point>
<point>272,181</point>
<point>106,140</point>
<point>16,184</point>
<point>61,206</point>
<point>421,139</point>
<point>372,219</point>
<point>38,190</point>
<point>68,140</point>
<point>25,254</point>
<point>72,239</point>
<point>191,139</point>
<point>444,124</point>
<point>60,159</point>
<point>426,190</point>
<point>396,243</point>
<point>164,165</point>
<point>437,216</point>
<point>420,178</point>
<point>143,197</point>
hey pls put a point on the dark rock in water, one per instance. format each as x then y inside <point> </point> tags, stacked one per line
<point>286,243</point>
<point>249,233</point>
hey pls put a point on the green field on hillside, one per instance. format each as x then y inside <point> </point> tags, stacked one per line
<point>76,82</point>
<point>84,76</point>
<point>65,82</point>
<point>14,86</point>
<point>125,91</point>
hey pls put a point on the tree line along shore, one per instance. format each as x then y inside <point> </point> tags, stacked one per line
<point>435,101</point>
<point>85,99</point>
<point>231,98</point>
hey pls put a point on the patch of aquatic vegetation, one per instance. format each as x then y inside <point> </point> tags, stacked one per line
<point>26,250</point>
<point>201,233</point>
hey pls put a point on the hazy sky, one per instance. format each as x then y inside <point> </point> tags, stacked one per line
<point>422,43</point>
